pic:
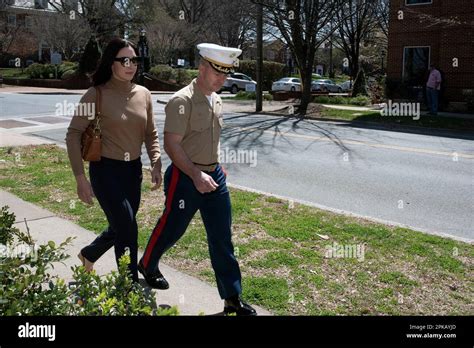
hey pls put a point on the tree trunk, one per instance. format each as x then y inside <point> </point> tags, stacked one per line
<point>354,65</point>
<point>192,57</point>
<point>306,78</point>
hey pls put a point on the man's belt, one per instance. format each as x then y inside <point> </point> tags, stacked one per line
<point>207,167</point>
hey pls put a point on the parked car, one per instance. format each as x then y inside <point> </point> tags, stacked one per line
<point>323,85</point>
<point>347,86</point>
<point>287,84</point>
<point>237,82</point>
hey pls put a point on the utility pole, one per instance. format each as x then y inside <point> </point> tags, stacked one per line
<point>258,106</point>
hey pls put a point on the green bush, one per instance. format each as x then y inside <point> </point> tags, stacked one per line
<point>67,66</point>
<point>322,99</point>
<point>34,71</point>
<point>163,72</point>
<point>48,71</point>
<point>27,287</point>
<point>6,222</point>
<point>272,71</point>
<point>41,71</point>
<point>360,100</point>
<point>193,73</point>
<point>183,77</point>
<point>68,74</point>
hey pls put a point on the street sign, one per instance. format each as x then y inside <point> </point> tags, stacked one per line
<point>56,58</point>
<point>180,62</point>
<point>250,87</point>
<point>320,70</point>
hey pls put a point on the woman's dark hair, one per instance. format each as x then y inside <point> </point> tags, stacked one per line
<point>104,70</point>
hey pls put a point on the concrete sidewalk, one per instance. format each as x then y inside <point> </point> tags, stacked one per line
<point>192,296</point>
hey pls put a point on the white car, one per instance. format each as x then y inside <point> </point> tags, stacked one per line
<point>324,85</point>
<point>347,86</point>
<point>237,82</point>
<point>292,84</point>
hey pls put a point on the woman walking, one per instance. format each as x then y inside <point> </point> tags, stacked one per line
<point>126,122</point>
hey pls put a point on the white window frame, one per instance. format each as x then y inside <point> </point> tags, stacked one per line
<point>403,62</point>
<point>424,3</point>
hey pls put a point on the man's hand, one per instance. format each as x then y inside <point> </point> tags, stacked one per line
<point>204,183</point>
<point>156,176</point>
<point>84,189</point>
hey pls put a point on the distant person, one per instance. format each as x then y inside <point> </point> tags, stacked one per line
<point>126,122</point>
<point>433,86</point>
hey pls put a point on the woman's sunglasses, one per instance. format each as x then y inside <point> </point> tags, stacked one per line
<point>127,61</point>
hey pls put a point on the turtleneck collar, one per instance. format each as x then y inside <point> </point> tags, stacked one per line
<point>119,85</point>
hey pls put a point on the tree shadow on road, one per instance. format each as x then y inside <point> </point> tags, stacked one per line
<point>250,131</point>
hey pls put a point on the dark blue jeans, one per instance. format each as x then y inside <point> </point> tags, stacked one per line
<point>432,98</point>
<point>183,200</point>
<point>117,187</point>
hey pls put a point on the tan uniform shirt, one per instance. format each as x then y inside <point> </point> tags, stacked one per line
<point>126,122</point>
<point>189,114</point>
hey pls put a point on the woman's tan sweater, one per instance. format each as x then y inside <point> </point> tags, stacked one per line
<point>126,122</point>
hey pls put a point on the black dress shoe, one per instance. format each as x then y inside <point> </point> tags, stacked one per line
<point>235,305</point>
<point>156,281</point>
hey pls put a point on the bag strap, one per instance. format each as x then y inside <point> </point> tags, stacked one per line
<point>98,109</point>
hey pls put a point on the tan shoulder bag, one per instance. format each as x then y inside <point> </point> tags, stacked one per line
<point>91,141</point>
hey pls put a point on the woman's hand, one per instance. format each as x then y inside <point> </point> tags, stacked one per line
<point>84,189</point>
<point>156,176</point>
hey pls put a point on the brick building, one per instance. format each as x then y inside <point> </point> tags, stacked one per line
<point>17,38</point>
<point>422,32</point>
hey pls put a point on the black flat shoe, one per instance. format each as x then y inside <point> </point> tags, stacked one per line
<point>156,281</point>
<point>235,305</point>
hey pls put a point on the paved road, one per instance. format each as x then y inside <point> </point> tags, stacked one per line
<point>418,180</point>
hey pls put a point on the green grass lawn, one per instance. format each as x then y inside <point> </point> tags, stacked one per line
<point>13,73</point>
<point>375,116</point>
<point>286,251</point>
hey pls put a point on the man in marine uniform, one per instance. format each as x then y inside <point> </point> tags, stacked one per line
<point>195,180</point>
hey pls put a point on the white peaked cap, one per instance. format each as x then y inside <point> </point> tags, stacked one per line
<point>223,59</point>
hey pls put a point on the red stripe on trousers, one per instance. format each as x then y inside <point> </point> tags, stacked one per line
<point>159,228</point>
